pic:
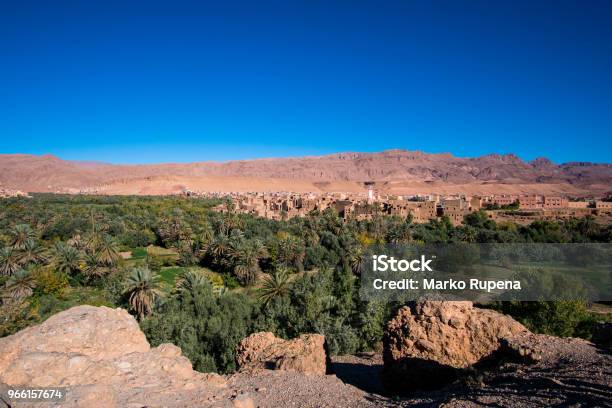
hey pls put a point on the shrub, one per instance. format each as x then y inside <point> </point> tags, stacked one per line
<point>205,326</point>
<point>49,282</point>
<point>559,318</point>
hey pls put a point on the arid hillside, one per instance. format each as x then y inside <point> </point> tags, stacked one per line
<point>394,171</point>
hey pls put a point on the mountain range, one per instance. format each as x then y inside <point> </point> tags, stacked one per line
<point>393,171</point>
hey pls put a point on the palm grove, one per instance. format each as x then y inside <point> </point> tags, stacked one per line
<point>204,280</point>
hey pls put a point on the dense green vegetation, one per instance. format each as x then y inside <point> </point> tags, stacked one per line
<point>203,279</point>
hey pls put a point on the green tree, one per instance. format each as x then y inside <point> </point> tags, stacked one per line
<point>206,327</point>
<point>20,235</point>
<point>9,261</point>
<point>276,284</point>
<point>290,251</point>
<point>94,268</point>
<point>107,251</point>
<point>191,281</point>
<point>142,290</point>
<point>32,253</point>
<point>66,258</point>
<point>20,285</point>
<point>246,255</point>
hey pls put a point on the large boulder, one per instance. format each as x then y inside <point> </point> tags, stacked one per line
<point>305,354</point>
<point>425,344</point>
<point>101,352</point>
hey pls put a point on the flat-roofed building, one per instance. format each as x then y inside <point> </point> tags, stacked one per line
<point>531,202</point>
<point>555,202</point>
<point>605,206</point>
<point>504,199</point>
<point>456,209</point>
<point>476,203</point>
<point>577,204</point>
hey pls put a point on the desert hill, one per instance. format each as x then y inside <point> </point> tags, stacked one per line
<point>394,171</point>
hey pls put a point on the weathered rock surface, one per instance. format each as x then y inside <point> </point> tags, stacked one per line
<point>565,372</point>
<point>428,342</point>
<point>103,360</point>
<point>450,333</point>
<point>408,170</point>
<point>102,356</point>
<point>305,354</point>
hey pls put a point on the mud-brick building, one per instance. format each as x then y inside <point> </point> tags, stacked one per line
<point>531,202</point>
<point>555,202</point>
<point>603,207</point>
<point>456,209</point>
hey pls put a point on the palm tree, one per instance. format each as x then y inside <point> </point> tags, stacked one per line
<point>9,261</point>
<point>94,268</point>
<point>67,259</point>
<point>173,229</point>
<point>20,235</point>
<point>275,285</point>
<point>190,282</point>
<point>32,253</point>
<point>143,289</point>
<point>220,248</point>
<point>204,241</point>
<point>20,285</point>
<point>246,256</point>
<point>107,251</point>
<point>588,226</point>
<point>77,241</point>
<point>291,251</point>
<point>229,222</point>
<point>356,255</point>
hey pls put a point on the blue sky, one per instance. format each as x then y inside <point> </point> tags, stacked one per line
<point>150,81</point>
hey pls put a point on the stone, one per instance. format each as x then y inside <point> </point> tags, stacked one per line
<point>243,402</point>
<point>101,355</point>
<point>425,344</point>
<point>305,354</point>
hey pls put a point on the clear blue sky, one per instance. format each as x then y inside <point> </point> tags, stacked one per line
<point>150,81</point>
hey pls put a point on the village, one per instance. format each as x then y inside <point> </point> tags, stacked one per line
<point>522,209</point>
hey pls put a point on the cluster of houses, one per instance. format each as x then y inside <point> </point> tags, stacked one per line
<point>6,193</point>
<point>422,208</point>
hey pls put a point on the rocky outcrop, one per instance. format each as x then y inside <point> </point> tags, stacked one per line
<point>101,355</point>
<point>425,344</point>
<point>305,354</point>
<point>559,372</point>
<point>495,173</point>
<point>450,333</point>
<point>102,359</point>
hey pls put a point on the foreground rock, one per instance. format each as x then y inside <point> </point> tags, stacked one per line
<point>305,354</point>
<point>103,360</point>
<point>425,344</point>
<point>549,371</point>
<point>101,355</point>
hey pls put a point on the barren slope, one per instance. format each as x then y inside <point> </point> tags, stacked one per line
<point>395,171</point>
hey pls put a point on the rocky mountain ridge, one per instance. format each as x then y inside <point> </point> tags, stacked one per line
<point>389,168</point>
